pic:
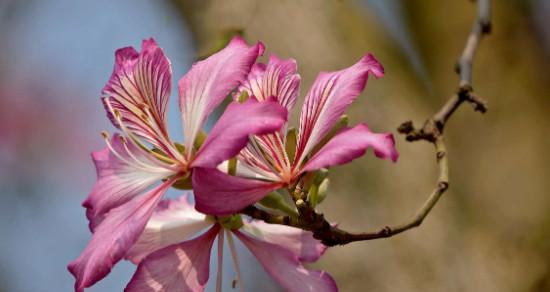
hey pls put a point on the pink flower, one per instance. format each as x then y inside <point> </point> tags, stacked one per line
<point>264,165</point>
<point>168,261</point>
<point>136,97</point>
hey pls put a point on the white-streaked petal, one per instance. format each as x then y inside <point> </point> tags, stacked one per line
<point>209,81</point>
<point>172,222</point>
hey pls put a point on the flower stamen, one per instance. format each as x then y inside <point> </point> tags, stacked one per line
<point>235,258</point>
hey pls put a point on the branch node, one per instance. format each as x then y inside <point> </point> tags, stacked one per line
<point>443,186</point>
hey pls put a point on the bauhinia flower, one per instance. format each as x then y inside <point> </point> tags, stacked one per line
<point>169,261</point>
<point>139,165</point>
<point>277,160</point>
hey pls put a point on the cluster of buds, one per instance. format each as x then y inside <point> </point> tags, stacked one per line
<point>250,157</point>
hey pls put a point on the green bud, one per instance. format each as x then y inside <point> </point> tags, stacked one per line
<point>275,201</point>
<point>316,179</point>
<point>323,191</point>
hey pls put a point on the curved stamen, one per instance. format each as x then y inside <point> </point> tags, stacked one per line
<point>164,140</point>
<point>259,154</point>
<point>134,164</point>
<point>137,142</point>
<point>137,160</point>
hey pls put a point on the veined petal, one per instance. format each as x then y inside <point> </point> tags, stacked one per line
<point>298,241</point>
<point>172,222</point>
<point>123,171</point>
<point>328,99</point>
<point>247,171</point>
<point>209,81</point>
<point>230,133</point>
<point>113,237</point>
<point>179,267</point>
<point>217,193</point>
<point>285,267</point>
<point>276,79</point>
<point>138,91</point>
<point>352,143</point>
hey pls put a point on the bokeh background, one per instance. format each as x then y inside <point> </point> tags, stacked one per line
<point>490,232</point>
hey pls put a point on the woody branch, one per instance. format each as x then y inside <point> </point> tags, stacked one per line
<point>431,131</point>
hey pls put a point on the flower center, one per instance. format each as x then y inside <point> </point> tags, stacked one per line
<point>230,222</point>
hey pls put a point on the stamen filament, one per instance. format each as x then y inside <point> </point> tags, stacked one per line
<point>133,138</point>
<point>135,163</point>
<point>169,145</point>
<point>261,155</point>
<point>235,258</point>
<point>219,275</point>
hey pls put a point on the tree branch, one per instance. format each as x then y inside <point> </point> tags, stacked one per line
<point>431,131</point>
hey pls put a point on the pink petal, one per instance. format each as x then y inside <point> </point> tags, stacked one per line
<point>118,181</point>
<point>179,267</point>
<point>278,79</point>
<point>141,80</point>
<point>328,99</point>
<point>239,121</point>
<point>172,222</point>
<point>264,157</point>
<point>217,193</point>
<point>352,143</point>
<point>209,81</point>
<point>113,237</point>
<point>300,242</point>
<point>284,266</point>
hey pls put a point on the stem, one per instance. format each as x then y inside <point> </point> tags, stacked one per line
<point>431,131</point>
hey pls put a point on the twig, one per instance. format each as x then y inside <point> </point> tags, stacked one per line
<point>431,131</point>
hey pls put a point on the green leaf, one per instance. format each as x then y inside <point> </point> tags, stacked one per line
<point>275,201</point>
<point>323,191</point>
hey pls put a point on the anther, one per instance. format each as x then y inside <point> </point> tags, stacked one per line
<point>117,113</point>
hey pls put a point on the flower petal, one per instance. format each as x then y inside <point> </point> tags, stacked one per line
<point>120,177</point>
<point>300,242</point>
<point>179,267</point>
<point>328,99</point>
<point>284,266</point>
<point>276,79</point>
<point>209,81</point>
<point>113,237</point>
<point>239,121</point>
<point>172,222</point>
<point>217,193</point>
<point>139,89</point>
<point>352,143</point>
